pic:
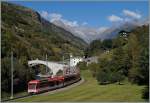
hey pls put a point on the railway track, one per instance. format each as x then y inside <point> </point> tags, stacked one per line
<point>49,92</point>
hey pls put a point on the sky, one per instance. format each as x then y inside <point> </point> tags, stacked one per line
<point>95,14</point>
<point>91,19</point>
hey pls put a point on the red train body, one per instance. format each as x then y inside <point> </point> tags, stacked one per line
<point>49,83</point>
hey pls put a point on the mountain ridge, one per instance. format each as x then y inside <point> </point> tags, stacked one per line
<point>90,33</point>
<point>26,23</point>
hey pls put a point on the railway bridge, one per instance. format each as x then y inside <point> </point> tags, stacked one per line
<point>53,67</point>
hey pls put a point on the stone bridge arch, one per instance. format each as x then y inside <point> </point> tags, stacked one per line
<point>53,66</point>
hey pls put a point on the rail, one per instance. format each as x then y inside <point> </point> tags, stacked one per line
<point>51,91</point>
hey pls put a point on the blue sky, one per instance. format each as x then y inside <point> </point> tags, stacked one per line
<point>94,14</point>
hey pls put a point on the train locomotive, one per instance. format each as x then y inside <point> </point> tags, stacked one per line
<point>70,76</point>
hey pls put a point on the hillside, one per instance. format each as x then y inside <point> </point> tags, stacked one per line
<point>124,57</point>
<point>98,47</point>
<point>25,27</point>
<point>30,36</point>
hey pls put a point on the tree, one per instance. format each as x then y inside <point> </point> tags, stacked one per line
<point>59,73</point>
<point>93,67</point>
<point>96,44</point>
<point>102,77</point>
<point>94,48</point>
<point>107,44</point>
<point>121,60</point>
<point>5,73</point>
<point>114,69</point>
<point>82,65</point>
<point>134,49</point>
<point>146,93</point>
<point>102,74</point>
<point>139,51</point>
<point>116,43</point>
<point>120,76</point>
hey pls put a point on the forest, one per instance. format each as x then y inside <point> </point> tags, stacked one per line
<point>124,57</point>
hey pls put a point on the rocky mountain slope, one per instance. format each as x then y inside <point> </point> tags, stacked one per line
<point>24,30</point>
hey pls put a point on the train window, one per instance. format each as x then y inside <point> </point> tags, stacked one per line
<point>32,86</point>
<point>43,84</point>
<point>70,78</point>
<point>57,83</point>
<point>51,84</point>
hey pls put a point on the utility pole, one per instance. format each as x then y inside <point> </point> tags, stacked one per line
<point>63,59</point>
<point>46,64</point>
<point>11,97</point>
<point>70,62</point>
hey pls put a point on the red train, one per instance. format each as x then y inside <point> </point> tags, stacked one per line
<point>49,83</point>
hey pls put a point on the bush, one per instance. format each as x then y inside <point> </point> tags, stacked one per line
<point>102,77</point>
<point>146,93</point>
<point>108,72</point>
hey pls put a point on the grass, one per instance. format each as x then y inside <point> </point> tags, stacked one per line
<point>6,95</point>
<point>91,91</point>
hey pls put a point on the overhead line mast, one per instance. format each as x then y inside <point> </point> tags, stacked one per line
<point>12,69</point>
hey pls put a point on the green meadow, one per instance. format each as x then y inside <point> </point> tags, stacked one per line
<point>90,90</point>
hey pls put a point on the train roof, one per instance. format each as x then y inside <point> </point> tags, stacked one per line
<point>56,78</point>
<point>34,81</point>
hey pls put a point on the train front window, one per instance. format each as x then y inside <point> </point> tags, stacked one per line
<point>32,86</point>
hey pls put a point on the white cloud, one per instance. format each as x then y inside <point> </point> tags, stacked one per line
<point>84,23</point>
<point>131,14</point>
<point>70,23</point>
<point>114,18</point>
<point>102,29</point>
<point>44,14</point>
<point>55,16</point>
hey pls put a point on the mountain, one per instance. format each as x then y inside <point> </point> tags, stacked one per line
<point>97,47</point>
<point>112,32</point>
<point>26,28</point>
<point>83,32</point>
<point>89,34</point>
